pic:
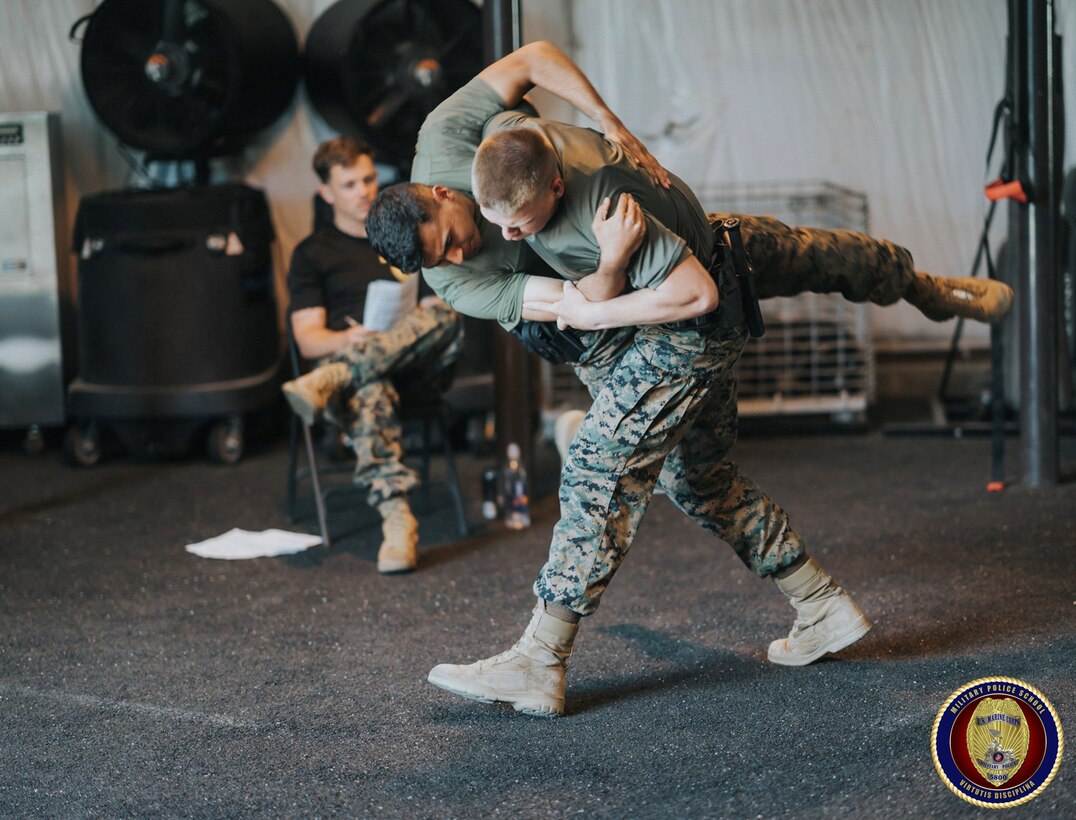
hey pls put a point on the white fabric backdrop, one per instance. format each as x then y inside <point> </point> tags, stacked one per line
<point>891,97</point>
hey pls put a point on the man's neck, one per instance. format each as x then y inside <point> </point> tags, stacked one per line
<point>476,212</point>
<point>352,227</point>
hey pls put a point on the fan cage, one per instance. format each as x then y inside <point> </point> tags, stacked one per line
<point>816,357</point>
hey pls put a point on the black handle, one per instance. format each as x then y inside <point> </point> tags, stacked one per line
<point>742,266</point>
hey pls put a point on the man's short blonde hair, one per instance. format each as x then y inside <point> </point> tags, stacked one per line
<point>511,168</point>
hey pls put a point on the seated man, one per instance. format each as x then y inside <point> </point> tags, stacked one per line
<point>328,279</point>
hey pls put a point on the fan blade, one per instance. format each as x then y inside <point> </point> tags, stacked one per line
<point>450,46</point>
<point>387,108</point>
<point>172,30</point>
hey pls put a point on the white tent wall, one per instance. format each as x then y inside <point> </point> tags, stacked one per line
<point>893,98</point>
<point>890,97</point>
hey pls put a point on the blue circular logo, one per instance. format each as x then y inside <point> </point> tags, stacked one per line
<point>997,742</point>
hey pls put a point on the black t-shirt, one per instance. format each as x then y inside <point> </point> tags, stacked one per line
<point>332,269</point>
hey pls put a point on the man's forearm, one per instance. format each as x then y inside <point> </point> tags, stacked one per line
<point>596,287</point>
<point>541,289</point>
<point>320,342</point>
<point>544,65</point>
<point>688,291</point>
<point>643,307</point>
<point>554,72</point>
<point>603,285</point>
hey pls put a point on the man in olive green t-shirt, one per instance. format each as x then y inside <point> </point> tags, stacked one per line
<point>433,223</point>
<point>664,398</point>
<point>664,407</point>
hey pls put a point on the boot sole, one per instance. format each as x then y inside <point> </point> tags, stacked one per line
<point>527,707</point>
<point>979,314</point>
<point>396,569</point>
<point>857,631</point>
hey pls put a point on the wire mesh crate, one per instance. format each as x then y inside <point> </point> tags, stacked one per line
<point>816,356</point>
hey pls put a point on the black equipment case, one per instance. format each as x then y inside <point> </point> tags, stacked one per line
<point>177,325</point>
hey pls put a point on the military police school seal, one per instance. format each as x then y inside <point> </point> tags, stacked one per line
<point>997,742</point>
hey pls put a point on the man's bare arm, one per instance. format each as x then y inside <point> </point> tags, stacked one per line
<point>541,290</point>
<point>315,339</point>
<point>688,291</point>
<point>544,65</point>
<point>619,235</point>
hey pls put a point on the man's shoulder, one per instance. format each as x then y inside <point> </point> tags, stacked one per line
<point>329,247</point>
<point>450,135</point>
<point>473,99</point>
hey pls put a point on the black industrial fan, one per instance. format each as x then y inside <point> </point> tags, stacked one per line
<point>177,326</point>
<point>188,79</point>
<point>376,68</point>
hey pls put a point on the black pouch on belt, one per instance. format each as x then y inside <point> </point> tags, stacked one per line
<point>727,235</point>
<point>550,342</point>
<point>732,307</point>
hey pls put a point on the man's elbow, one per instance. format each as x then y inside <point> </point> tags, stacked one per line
<point>704,301</point>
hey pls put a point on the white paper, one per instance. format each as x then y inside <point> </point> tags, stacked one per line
<point>389,301</point>
<point>236,544</point>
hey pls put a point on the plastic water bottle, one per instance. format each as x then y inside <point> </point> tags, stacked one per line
<point>491,495</point>
<point>517,514</point>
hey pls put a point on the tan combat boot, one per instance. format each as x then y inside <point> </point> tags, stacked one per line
<point>529,676</point>
<point>399,550</point>
<point>827,619</point>
<point>309,393</point>
<point>940,298</point>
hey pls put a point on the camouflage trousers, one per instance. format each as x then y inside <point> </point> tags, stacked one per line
<point>664,412</point>
<point>788,261</point>
<point>418,351</point>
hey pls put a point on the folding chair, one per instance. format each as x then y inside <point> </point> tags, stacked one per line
<point>429,408</point>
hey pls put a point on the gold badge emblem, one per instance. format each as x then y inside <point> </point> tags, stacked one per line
<point>998,738</point>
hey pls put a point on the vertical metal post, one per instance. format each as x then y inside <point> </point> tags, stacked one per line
<point>513,404</point>
<point>503,28</point>
<point>1038,267</point>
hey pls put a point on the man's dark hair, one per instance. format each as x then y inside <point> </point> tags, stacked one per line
<point>344,151</point>
<point>392,224</point>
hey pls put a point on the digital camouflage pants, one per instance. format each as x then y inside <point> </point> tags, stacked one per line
<point>788,261</point>
<point>421,349</point>
<point>664,412</point>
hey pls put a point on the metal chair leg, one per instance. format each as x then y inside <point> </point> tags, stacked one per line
<point>426,430</point>
<point>319,500</point>
<point>293,478</point>
<point>453,476</point>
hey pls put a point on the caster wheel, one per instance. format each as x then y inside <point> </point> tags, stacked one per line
<point>82,446</point>
<point>225,442</point>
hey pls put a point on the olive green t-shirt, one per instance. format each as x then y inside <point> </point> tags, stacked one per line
<point>594,168</point>
<point>490,284</point>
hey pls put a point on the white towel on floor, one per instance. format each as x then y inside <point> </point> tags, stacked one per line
<point>236,544</point>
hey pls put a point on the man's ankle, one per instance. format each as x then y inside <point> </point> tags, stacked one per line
<point>784,572</point>
<point>561,612</point>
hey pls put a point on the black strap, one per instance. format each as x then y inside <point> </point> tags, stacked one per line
<point>550,342</point>
<point>730,312</point>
